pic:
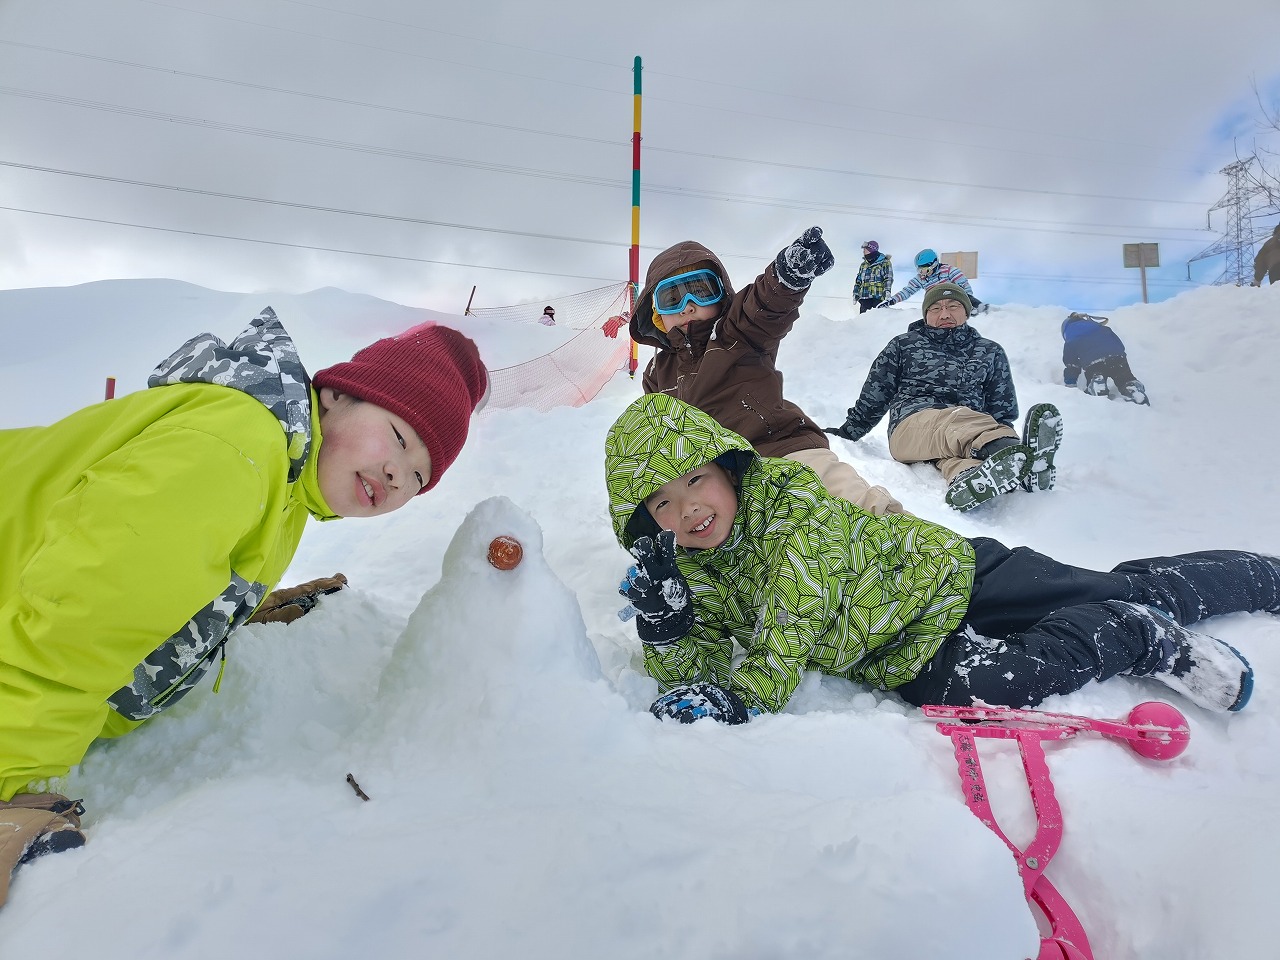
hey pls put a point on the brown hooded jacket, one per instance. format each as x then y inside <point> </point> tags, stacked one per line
<point>726,367</point>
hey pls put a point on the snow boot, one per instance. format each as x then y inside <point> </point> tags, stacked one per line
<point>1097,386</point>
<point>1206,671</point>
<point>1042,435</point>
<point>999,473</point>
<point>1135,392</point>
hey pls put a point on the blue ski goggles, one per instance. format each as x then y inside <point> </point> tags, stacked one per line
<point>673,294</point>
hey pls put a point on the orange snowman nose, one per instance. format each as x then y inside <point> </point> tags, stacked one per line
<point>505,552</point>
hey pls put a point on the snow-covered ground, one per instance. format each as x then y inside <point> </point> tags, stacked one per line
<point>522,800</point>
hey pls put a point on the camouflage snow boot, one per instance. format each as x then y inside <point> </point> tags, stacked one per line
<point>999,473</point>
<point>1042,435</point>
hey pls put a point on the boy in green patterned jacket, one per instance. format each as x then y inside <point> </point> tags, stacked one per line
<point>748,573</point>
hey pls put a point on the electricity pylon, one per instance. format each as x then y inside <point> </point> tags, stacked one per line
<point>1237,240</point>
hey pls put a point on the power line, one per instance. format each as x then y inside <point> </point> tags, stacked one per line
<point>924,180</point>
<point>481,266</point>
<point>783,203</point>
<point>307,246</point>
<point>968,122</point>
<point>306,206</point>
<point>653,148</point>
<point>682,102</point>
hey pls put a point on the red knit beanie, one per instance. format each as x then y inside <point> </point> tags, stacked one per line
<point>431,376</point>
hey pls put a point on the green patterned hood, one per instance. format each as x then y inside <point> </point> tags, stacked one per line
<point>657,439</point>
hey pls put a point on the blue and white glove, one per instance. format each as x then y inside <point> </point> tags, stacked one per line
<point>696,701</point>
<point>658,592</point>
<point>805,259</point>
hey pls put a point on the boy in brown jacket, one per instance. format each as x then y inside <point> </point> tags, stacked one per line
<point>717,348</point>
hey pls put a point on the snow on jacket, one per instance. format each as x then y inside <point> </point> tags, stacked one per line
<point>1085,341</point>
<point>942,273</point>
<point>935,368</point>
<point>875,278</point>
<point>805,581</point>
<point>1267,262</point>
<point>727,367</point>
<point>136,534</point>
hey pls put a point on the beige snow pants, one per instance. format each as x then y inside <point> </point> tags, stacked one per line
<point>949,437</point>
<point>842,481</point>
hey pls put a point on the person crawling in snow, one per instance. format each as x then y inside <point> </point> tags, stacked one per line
<point>748,573</point>
<point>1093,351</point>
<point>138,534</point>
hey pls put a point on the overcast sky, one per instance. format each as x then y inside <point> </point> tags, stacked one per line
<point>411,149</point>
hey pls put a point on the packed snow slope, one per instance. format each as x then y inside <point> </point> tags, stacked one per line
<point>522,800</point>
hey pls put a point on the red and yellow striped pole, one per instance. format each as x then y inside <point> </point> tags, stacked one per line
<point>635,215</point>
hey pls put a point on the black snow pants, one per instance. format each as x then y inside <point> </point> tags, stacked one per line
<point>1036,627</point>
<point>1116,367</point>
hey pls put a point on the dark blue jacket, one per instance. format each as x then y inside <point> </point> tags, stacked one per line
<point>1085,342</point>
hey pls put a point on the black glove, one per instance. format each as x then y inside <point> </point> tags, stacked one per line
<point>658,591</point>
<point>883,303</point>
<point>805,259</point>
<point>694,701</point>
<point>841,431</point>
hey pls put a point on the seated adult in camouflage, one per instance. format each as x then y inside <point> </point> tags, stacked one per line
<point>950,399</point>
<point>749,573</point>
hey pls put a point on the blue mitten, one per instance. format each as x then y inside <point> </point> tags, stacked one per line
<point>806,258</point>
<point>658,592</point>
<point>694,701</point>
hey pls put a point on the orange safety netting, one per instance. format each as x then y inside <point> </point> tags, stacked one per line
<point>575,371</point>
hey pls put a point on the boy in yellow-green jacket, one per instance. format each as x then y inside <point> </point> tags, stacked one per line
<point>137,534</point>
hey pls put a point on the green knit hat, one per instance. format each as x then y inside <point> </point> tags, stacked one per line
<point>946,291</point>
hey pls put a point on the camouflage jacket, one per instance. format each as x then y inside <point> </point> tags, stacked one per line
<point>138,533</point>
<point>934,368</point>
<point>805,581</point>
